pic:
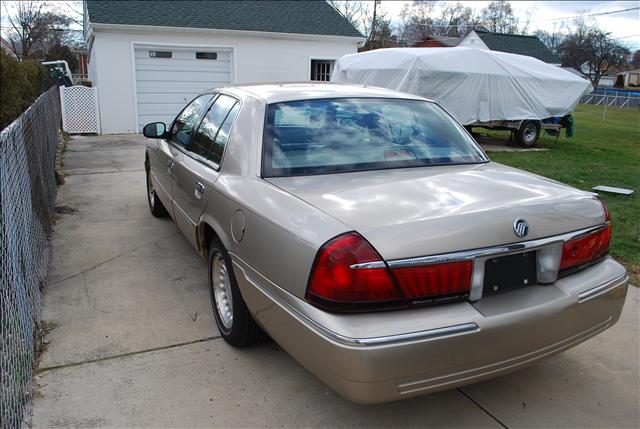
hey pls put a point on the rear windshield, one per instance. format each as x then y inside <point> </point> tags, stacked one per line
<point>354,134</point>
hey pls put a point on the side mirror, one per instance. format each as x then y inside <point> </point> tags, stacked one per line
<point>154,130</point>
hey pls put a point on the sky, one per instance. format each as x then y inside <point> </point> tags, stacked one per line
<point>625,26</point>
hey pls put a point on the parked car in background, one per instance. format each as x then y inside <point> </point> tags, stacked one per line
<point>369,235</point>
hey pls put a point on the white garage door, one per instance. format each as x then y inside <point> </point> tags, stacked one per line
<point>169,77</point>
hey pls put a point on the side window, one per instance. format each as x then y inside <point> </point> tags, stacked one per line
<point>223,136</point>
<point>212,125</point>
<point>187,119</point>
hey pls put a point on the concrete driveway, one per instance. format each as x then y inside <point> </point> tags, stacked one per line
<point>135,344</point>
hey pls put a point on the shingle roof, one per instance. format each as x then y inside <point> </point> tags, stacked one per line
<point>518,44</point>
<point>301,17</point>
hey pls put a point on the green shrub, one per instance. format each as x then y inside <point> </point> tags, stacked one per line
<point>20,84</point>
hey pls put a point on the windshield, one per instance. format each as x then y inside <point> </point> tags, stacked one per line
<point>355,134</point>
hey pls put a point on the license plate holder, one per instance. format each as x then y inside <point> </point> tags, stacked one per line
<point>509,272</point>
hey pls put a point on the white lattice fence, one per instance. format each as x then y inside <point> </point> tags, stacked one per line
<point>80,114</point>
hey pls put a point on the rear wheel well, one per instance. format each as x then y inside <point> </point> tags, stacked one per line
<point>206,235</point>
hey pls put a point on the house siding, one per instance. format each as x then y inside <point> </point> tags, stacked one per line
<point>473,41</point>
<point>256,58</point>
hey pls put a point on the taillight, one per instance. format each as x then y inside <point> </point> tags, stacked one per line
<point>436,282</point>
<point>605,240</point>
<point>335,284</point>
<point>589,248</point>
<point>349,275</point>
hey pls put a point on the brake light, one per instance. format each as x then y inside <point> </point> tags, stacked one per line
<point>349,275</point>
<point>336,285</point>
<point>589,248</point>
<point>605,240</point>
<point>435,282</point>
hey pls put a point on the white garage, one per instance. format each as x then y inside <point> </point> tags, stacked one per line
<point>147,59</point>
<point>167,77</point>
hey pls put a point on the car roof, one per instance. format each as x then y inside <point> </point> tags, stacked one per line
<point>288,91</point>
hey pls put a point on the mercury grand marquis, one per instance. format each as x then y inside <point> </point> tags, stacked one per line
<point>369,235</point>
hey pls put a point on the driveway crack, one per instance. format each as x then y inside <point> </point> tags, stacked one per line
<point>477,404</point>
<point>111,259</point>
<point>70,172</point>
<point>106,358</point>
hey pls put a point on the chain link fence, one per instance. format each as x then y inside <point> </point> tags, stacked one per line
<point>27,196</point>
<point>612,98</point>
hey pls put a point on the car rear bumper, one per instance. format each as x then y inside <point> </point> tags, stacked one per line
<point>379,357</point>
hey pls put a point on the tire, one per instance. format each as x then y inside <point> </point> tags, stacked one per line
<point>234,321</point>
<point>528,134</point>
<point>155,205</point>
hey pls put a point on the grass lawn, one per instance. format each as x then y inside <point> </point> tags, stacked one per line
<point>601,152</point>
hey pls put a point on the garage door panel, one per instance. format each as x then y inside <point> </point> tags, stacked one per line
<point>165,108</point>
<point>178,87</point>
<point>178,54</point>
<point>222,66</point>
<point>165,85</point>
<point>181,97</point>
<point>181,76</point>
<point>145,60</point>
<point>164,118</point>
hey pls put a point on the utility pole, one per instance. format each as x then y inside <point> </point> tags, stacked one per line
<point>373,25</point>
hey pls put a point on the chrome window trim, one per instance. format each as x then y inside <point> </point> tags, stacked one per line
<point>482,252</point>
<point>207,162</point>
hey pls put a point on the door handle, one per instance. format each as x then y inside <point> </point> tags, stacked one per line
<point>199,190</point>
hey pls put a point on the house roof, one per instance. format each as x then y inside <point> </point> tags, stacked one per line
<point>300,17</point>
<point>518,44</point>
<point>574,71</point>
<point>6,47</point>
<point>449,41</point>
<point>439,41</point>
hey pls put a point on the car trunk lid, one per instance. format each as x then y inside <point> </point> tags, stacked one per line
<point>432,210</point>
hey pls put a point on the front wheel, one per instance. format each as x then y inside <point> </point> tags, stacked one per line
<point>528,133</point>
<point>232,316</point>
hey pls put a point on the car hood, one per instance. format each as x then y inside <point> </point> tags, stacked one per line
<point>431,210</point>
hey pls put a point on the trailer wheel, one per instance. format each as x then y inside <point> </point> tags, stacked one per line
<point>528,133</point>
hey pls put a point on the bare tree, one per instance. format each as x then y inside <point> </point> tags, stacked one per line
<point>28,26</point>
<point>73,9</point>
<point>356,12</point>
<point>41,31</point>
<point>455,20</point>
<point>417,19</point>
<point>383,36</point>
<point>498,17</point>
<point>523,25</point>
<point>591,50</point>
<point>552,39</point>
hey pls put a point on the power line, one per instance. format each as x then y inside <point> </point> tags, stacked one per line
<point>462,24</point>
<point>587,15</point>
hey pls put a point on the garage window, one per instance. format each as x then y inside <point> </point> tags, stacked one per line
<point>206,55</point>
<point>160,54</point>
<point>321,69</point>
